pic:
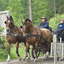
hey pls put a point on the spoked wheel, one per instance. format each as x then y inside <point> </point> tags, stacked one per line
<point>33,53</point>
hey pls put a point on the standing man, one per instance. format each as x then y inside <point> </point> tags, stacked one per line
<point>44,23</point>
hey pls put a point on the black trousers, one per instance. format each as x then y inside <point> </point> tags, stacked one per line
<point>59,33</point>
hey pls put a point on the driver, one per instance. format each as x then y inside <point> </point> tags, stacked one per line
<point>44,23</point>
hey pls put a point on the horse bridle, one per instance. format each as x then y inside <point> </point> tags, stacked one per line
<point>26,27</point>
<point>10,25</point>
<point>14,34</point>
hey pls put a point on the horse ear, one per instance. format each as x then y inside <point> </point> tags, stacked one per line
<point>22,22</point>
<point>11,18</point>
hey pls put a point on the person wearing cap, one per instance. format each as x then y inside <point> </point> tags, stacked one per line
<point>44,23</point>
<point>59,31</point>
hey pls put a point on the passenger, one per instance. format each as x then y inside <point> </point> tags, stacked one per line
<point>59,31</point>
<point>44,23</point>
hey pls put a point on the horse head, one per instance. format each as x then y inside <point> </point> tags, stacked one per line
<point>9,23</point>
<point>27,26</point>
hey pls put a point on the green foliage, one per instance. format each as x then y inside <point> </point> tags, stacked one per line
<point>13,55</point>
<point>41,8</point>
<point>3,40</point>
<point>18,10</point>
<point>55,21</point>
<point>4,4</point>
<point>1,29</point>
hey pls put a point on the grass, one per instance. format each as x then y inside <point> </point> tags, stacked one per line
<point>13,55</point>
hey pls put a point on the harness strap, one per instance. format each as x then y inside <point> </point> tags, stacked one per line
<point>36,31</point>
<point>32,30</point>
<point>40,36</point>
<point>12,34</point>
<point>36,35</point>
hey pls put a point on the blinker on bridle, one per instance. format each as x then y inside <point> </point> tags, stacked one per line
<point>10,23</point>
<point>26,27</point>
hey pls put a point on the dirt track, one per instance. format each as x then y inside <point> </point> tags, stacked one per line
<point>40,61</point>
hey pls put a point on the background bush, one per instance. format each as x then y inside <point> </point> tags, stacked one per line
<point>53,22</point>
<point>3,39</point>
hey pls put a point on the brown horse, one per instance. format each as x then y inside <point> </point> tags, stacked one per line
<point>14,35</point>
<point>29,30</point>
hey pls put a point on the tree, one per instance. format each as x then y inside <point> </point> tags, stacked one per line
<point>16,10</point>
<point>54,7</point>
<point>4,4</point>
<point>30,10</point>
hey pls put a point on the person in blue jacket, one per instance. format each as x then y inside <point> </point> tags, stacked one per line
<point>59,31</point>
<point>44,23</point>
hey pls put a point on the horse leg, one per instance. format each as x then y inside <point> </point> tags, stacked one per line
<point>47,53</point>
<point>25,53</point>
<point>36,49</point>
<point>8,59</point>
<point>27,49</point>
<point>44,51</point>
<point>17,45</point>
<point>28,58</point>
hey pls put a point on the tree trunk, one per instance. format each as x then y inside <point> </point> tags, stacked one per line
<point>0,7</point>
<point>54,7</point>
<point>30,11</point>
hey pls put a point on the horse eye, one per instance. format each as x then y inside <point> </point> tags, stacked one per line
<point>20,26</point>
<point>11,23</point>
<point>5,22</point>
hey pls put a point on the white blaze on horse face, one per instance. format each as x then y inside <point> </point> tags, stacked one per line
<point>8,58</point>
<point>8,20</point>
<point>24,28</point>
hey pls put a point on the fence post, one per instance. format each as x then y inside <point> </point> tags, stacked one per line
<point>55,55</point>
<point>60,50</point>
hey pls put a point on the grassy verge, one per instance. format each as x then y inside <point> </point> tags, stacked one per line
<point>13,55</point>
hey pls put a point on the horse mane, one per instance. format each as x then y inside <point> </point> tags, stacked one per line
<point>30,24</point>
<point>28,20</point>
<point>25,22</point>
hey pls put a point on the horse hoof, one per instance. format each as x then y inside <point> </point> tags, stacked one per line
<point>47,57</point>
<point>23,58</point>
<point>47,54</point>
<point>27,58</point>
<point>20,59</point>
<point>44,58</point>
<point>35,60</point>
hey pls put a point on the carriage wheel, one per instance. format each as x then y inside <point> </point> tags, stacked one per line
<point>33,53</point>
